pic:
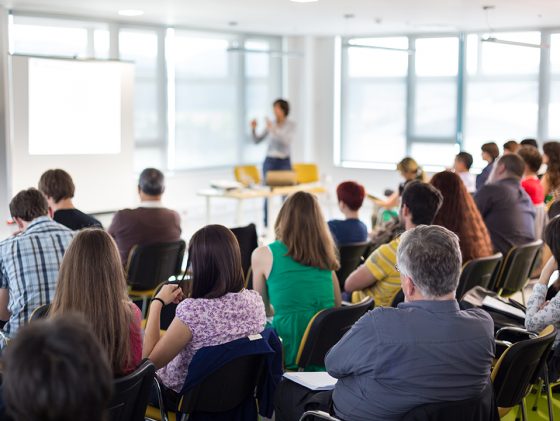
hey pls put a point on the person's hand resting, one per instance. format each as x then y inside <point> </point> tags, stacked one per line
<point>549,268</point>
<point>170,294</point>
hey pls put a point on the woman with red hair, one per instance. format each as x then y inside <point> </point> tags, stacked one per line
<point>460,215</point>
<point>350,230</point>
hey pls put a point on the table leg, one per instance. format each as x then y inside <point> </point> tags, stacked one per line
<point>239,213</point>
<point>207,210</point>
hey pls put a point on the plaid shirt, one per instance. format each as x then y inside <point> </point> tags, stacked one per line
<point>29,264</point>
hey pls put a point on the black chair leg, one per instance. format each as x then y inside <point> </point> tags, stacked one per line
<point>523,410</point>
<point>548,394</point>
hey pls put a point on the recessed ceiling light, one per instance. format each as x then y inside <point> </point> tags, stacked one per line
<point>131,12</point>
<point>304,1</point>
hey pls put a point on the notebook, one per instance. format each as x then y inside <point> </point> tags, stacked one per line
<point>502,307</point>
<point>316,381</point>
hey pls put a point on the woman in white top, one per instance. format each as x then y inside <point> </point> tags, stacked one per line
<point>280,134</point>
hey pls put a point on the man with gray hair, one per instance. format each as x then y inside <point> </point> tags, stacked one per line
<point>507,209</point>
<point>149,223</point>
<point>427,350</point>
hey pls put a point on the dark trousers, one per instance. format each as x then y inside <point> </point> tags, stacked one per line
<point>274,164</point>
<point>292,400</point>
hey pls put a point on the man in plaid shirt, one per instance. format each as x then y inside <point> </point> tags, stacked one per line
<point>30,260</point>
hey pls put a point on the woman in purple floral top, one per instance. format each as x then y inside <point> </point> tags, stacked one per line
<point>219,309</point>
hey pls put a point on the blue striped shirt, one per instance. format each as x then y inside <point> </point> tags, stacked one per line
<point>29,264</point>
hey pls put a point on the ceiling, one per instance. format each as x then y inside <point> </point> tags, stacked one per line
<point>325,17</point>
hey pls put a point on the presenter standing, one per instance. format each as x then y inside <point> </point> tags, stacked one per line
<point>280,134</point>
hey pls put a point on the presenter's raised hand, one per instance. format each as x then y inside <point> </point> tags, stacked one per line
<point>253,124</point>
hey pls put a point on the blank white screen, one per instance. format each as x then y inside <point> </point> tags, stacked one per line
<point>74,107</point>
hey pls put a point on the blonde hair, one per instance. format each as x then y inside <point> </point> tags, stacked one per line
<point>91,281</point>
<point>302,228</point>
<point>410,166</point>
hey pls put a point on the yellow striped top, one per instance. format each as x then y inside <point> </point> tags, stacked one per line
<point>381,263</point>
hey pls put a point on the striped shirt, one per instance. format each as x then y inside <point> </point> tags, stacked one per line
<point>381,263</point>
<point>29,264</point>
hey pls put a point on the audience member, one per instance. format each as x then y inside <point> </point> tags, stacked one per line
<point>460,215</point>
<point>30,260</point>
<point>378,277</point>
<point>551,178</point>
<point>410,171</point>
<point>151,222</point>
<point>92,264</point>
<point>425,351</point>
<point>58,187</point>
<point>490,153</point>
<point>530,181</point>
<point>56,370</point>
<point>462,167</point>
<point>510,147</point>
<point>219,309</point>
<point>350,230</point>
<point>506,208</point>
<point>295,274</point>
<point>530,142</point>
<point>540,312</point>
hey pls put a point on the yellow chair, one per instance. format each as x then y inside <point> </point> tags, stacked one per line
<point>306,173</point>
<point>247,174</point>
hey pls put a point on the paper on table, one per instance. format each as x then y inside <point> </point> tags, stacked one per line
<point>498,305</point>
<point>313,380</point>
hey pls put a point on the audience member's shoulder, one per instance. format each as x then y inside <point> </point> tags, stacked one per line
<point>479,315</point>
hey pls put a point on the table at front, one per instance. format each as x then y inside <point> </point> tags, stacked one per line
<point>260,193</point>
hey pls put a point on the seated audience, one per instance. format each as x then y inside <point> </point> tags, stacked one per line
<point>510,147</point>
<point>378,277</point>
<point>540,312</point>
<point>56,370</point>
<point>530,142</point>
<point>462,167</point>
<point>350,230</point>
<point>506,208</point>
<point>490,153</point>
<point>92,263</point>
<point>530,181</point>
<point>295,274</point>
<point>410,171</point>
<point>425,351</point>
<point>459,214</point>
<point>219,309</point>
<point>551,178</point>
<point>30,260</point>
<point>58,187</point>
<point>151,222</point>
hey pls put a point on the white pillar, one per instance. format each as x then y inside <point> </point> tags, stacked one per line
<point>5,118</point>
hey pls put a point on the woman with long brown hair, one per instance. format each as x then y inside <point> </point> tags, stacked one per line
<point>219,309</point>
<point>459,214</point>
<point>295,274</point>
<point>91,281</point>
<point>551,179</point>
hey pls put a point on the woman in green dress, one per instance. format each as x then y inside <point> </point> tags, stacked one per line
<point>295,274</point>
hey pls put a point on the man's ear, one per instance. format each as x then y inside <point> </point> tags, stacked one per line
<point>408,286</point>
<point>19,222</point>
<point>405,210</point>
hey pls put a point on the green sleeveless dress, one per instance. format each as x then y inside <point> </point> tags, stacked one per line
<point>297,292</point>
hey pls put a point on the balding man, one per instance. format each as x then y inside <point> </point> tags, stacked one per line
<point>149,223</point>
<point>506,208</point>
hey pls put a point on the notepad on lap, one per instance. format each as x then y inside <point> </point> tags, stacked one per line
<point>501,307</point>
<point>313,380</point>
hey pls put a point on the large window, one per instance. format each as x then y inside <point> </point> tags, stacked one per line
<point>374,100</point>
<point>501,90</point>
<point>58,37</point>
<point>142,47</point>
<point>554,105</point>
<point>448,93</point>
<point>194,92</point>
